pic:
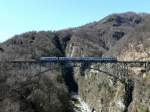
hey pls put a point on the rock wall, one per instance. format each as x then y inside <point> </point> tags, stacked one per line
<point>105,93</point>
<point>125,36</point>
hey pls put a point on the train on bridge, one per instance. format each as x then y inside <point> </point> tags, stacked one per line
<point>78,59</point>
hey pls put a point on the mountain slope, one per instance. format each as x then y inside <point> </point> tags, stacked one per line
<point>125,36</point>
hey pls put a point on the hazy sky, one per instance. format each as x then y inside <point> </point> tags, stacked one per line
<point>18,16</point>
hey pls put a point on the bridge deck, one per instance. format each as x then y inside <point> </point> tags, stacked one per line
<point>76,60</point>
<point>91,61</point>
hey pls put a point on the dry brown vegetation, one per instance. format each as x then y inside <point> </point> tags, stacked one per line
<point>21,91</point>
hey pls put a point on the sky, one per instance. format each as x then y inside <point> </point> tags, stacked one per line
<point>19,16</point>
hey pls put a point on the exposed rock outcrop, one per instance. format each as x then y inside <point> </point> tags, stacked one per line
<point>125,36</point>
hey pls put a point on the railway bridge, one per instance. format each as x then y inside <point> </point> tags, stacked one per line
<point>109,66</point>
<point>119,70</point>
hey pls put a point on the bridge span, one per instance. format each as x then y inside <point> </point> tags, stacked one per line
<point>108,65</point>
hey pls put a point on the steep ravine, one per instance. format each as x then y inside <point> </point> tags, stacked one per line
<point>103,92</point>
<point>77,104</point>
<point>128,98</point>
<point>125,36</point>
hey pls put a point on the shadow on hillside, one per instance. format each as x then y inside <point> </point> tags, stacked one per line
<point>68,75</point>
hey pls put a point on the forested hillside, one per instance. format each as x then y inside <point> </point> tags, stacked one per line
<point>125,36</point>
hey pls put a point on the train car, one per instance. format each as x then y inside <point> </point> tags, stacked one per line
<point>78,59</point>
<point>69,59</point>
<point>109,59</point>
<point>99,59</point>
<point>49,59</point>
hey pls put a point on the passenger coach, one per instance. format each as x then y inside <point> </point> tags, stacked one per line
<point>78,59</point>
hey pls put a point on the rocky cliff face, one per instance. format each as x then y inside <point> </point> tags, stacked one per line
<point>125,36</point>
